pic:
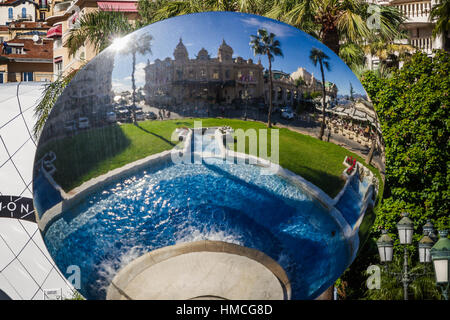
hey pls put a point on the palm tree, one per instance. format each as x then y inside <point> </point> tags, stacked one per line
<point>153,11</point>
<point>337,22</point>
<point>99,28</point>
<point>389,54</point>
<point>318,56</point>
<point>265,43</point>
<point>136,44</point>
<point>440,13</point>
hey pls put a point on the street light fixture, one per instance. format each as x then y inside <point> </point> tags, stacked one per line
<point>440,254</point>
<point>405,229</point>
<point>425,245</point>
<point>385,247</point>
<point>428,229</point>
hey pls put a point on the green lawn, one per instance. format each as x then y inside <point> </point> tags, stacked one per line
<point>95,152</point>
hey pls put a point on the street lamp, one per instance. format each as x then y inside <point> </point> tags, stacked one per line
<point>405,229</point>
<point>440,254</point>
<point>425,245</point>
<point>428,229</point>
<point>385,247</point>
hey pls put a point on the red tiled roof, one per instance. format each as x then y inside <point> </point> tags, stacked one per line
<point>42,50</point>
<point>9,2</point>
<point>28,25</point>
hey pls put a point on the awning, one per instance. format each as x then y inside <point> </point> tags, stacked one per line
<point>123,6</point>
<point>55,31</point>
<point>57,59</point>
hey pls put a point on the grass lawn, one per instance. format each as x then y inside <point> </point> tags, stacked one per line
<point>96,151</point>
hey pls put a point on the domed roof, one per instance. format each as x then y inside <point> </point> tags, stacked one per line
<point>203,54</point>
<point>180,52</point>
<point>225,47</point>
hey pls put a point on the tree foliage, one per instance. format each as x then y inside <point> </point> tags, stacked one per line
<point>423,286</point>
<point>413,109</point>
<point>49,97</point>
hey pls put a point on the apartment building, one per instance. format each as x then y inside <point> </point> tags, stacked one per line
<point>418,26</point>
<point>65,15</point>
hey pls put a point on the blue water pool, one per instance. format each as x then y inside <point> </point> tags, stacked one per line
<point>44,194</point>
<point>176,203</point>
<point>351,202</point>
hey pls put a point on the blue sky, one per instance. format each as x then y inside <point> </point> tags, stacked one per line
<point>206,30</point>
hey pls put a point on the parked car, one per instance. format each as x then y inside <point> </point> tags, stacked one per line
<point>286,109</point>
<point>111,117</point>
<point>123,114</point>
<point>140,116</point>
<point>83,122</point>
<point>70,126</point>
<point>151,115</point>
<point>289,115</point>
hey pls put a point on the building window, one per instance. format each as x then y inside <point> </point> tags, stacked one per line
<point>58,68</point>
<point>17,50</point>
<point>27,76</point>
<point>42,16</point>
<point>24,12</point>
<point>202,73</point>
<point>10,13</point>
<point>216,75</point>
<point>227,74</point>
<point>239,75</point>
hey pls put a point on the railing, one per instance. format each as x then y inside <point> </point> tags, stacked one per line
<point>24,17</point>
<point>415,9</point>
<point>425,44</point>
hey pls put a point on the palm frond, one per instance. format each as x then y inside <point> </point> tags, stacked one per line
<point>98,28</point>
<point>49,97</point>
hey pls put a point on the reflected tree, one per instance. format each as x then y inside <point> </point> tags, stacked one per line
<point>264,43</point>
<point>317,56</point>
<point>136,44</point>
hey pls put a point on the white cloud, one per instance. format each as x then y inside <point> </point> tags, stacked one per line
<point>278,29</point>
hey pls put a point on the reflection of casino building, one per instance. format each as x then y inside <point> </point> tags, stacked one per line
<point>184,80</point>
<point>221,80</point>
<point>88,95</point>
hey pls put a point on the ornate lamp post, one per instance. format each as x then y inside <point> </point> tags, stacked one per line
<point>405,229</point>
<point>385,247</point>
<point>440,254</point>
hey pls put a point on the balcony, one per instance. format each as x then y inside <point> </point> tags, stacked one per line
<point>61,6</point>
<point>24,17</point>
<point>416,11</point>
<point>425,44</point>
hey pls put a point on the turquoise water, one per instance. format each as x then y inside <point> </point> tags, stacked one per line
<point>352,200</point>
<point>213,200</point>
